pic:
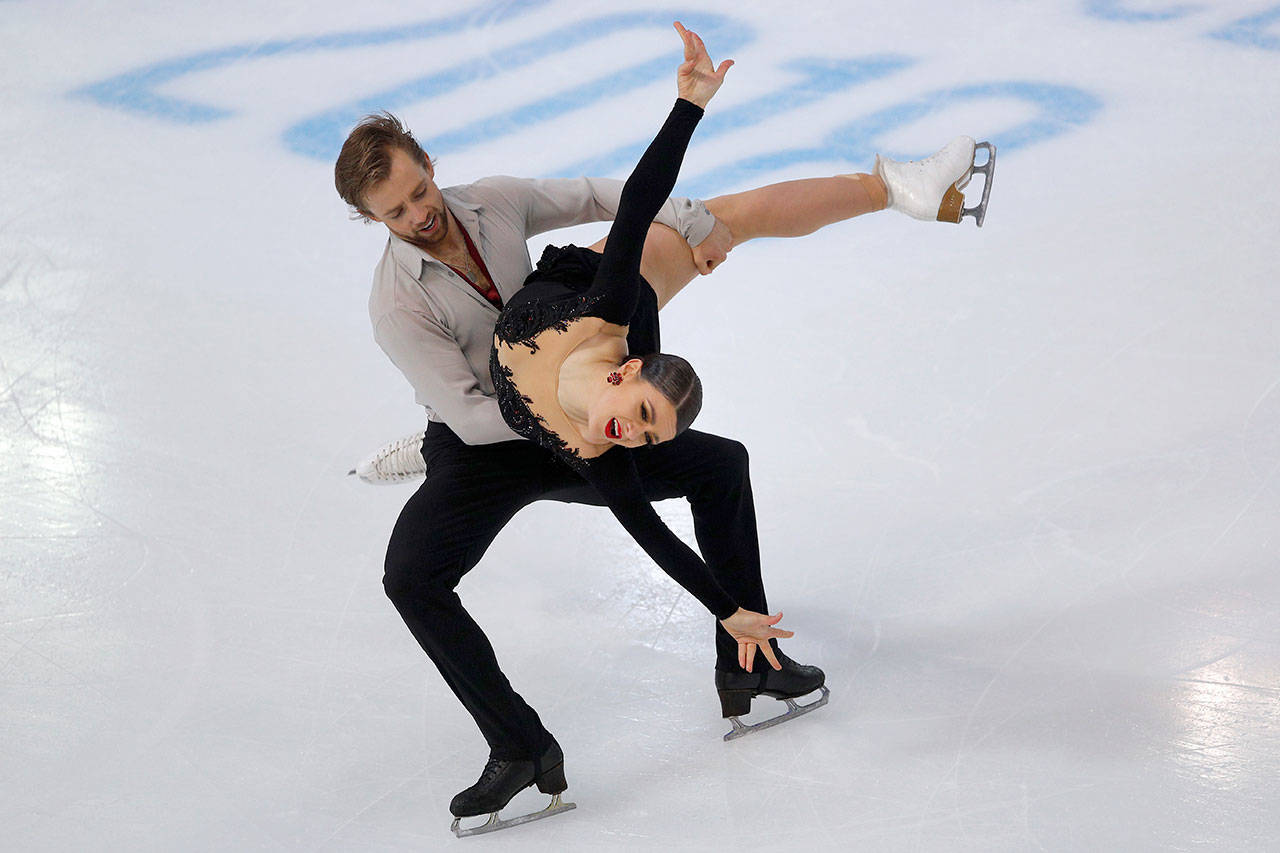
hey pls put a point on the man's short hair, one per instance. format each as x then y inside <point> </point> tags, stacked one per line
<point>365,159</point>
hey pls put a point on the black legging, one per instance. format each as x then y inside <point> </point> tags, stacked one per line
<point>471,492</point>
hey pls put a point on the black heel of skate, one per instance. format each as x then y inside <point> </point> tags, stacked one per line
<point>736,690</point>
<point>552,780</point>
<point>735,703</point>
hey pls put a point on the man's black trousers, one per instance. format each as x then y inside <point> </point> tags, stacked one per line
<point>469,495</point>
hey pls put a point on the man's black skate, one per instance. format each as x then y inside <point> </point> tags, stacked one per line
<point>738,688</point>
<point>502,780</point>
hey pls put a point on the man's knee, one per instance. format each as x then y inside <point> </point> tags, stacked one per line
<point>435,541</point>
<point>400,581</point>
<point>414,574</point>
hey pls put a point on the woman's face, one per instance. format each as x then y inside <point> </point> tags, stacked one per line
<point>632,413</point>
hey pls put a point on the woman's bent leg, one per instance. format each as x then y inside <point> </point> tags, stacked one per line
<point>666,262</point>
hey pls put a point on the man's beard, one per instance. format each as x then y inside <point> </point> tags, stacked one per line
<point>433,238</point>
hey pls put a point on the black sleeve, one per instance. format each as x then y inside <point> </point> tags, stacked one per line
<point>616,285</point>
<point>614,476</point>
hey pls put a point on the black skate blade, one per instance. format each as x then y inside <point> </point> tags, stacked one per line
<point>988,171</point>
<point>494,823</point>
<point>794,709</point>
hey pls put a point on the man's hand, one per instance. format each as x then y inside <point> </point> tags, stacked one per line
<point>712,251</point>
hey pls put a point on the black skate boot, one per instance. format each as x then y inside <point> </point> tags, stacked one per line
<point>738,687</point>
<point>502,780</point>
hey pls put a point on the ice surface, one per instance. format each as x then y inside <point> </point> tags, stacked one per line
<point>1017,487</point>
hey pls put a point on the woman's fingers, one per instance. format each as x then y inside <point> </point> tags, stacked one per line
<point>688,39</point>
<point>770,656</point>
<point>694,48</point>
<point>769,621</point>
<point>753,631</point>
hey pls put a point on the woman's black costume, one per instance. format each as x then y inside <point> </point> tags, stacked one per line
<point>574,283</point>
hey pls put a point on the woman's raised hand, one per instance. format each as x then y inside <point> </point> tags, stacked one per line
<point>697,79</point>
<point>753,631</point>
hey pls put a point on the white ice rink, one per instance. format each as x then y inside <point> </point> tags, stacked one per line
<point>1018,487</point>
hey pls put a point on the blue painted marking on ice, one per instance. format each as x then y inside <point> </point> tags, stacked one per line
<point>1252,31</point>
<point>1114,10</point>
<point>136,90</point>
<point>1061,108</point>
<point>819,78</point>
<point>321,136</point>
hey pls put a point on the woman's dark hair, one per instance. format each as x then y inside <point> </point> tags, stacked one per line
<point>675,379</point>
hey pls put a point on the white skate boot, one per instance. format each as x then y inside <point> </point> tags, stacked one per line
<point>929,189</point>
<point>398,462</point>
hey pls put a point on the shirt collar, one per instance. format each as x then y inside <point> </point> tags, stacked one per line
<point>412,258</point>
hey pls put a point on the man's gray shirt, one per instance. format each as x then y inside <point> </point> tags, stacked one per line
<point>438,329</point>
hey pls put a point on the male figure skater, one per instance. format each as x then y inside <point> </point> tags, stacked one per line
<point>453,257</point>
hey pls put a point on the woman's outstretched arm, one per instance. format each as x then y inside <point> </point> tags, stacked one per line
<point>614,476</point>
<point>617,282</point>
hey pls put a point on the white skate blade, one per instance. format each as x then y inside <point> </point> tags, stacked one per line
<point>494,823</point>
<point>794,709</point>
<point>988,171</point>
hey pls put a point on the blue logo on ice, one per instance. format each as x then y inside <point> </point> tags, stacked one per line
<point>1055,108</point>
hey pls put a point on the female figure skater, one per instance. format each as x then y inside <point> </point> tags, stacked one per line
<point>564,378</point>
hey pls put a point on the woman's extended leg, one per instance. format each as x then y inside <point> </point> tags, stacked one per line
<point>787,209</point>
<point>924,189</point>
<point>796,208</point>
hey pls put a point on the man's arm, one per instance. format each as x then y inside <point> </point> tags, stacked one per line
<point>551,203</point>
<point>441,376</point>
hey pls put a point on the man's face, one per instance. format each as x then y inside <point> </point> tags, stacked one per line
<point>409,203</point>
